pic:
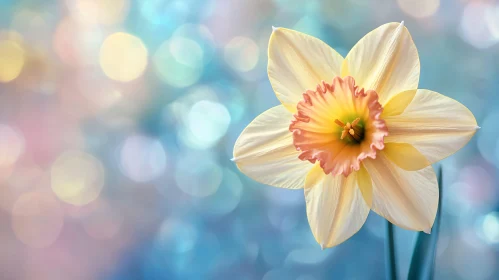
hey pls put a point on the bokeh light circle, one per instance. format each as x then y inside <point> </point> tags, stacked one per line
<point>11,60</point>
<point>475,188</point>
<point>419,8</point>
<point>37,219</point>
<point>77,178</point>
<point>142,158</point>
<point>492,19</point>
<point>11,145</point>
<point>198,178</point>
<point>201,35</point>
<point>241,54</point>
<point>176,236</point>
<point>179,62</point>
<point>187,52</point>
<point>207,122</point>
<point>474,28</point>
<point>226,198</point>
<point>78,45</point>
<point>490,227</point>
<point>107,12</point>
<point>123,57</point>
<point>165,14</point>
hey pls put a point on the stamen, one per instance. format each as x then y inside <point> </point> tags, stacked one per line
<point>343,134</point>
<point>351,129</point>
<point>355,122</point>
<point>340,123</point>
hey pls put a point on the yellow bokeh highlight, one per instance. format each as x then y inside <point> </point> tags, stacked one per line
<point>11,145</point>
<point>77,178</point>
<point>107,12</point>
<point>11,60</point>
<point>123,57</point>
<point>419,8</point>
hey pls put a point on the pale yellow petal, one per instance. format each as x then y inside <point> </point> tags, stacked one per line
<point>385,60</point>
<point>408,199</point>
<point>397,104</point>
<point>297,63</point>
<point>336,209</point>
<point>264,151</point>
<point>436,125</point>
<point>365,184</point>
<point>405,156</point>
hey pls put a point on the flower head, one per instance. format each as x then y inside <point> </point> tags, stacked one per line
<point>354,132</point>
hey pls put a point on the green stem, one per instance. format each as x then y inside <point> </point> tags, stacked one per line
<point>423,258</point>
<point>437,225</point>
<point>391,264</point>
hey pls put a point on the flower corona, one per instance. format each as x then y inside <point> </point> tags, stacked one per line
<point>338,125</point>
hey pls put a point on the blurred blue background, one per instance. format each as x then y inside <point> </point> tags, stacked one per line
<point>118,119</point>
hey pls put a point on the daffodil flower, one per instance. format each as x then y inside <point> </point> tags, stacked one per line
<point>356,132</point>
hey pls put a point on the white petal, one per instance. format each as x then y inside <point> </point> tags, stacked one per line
<point>297,63</point>
<point>265,152</point>
<point>408,199</point>
<point>436,125</point>
<point>336,209</point>
<point>385,60</point>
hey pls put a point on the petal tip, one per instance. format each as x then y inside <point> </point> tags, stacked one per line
<point>478,127</point>
<point>427,231</point>
<point>274,28</point>
<point>322,246</point>
<point>402,23</point>
<point>233,159</point>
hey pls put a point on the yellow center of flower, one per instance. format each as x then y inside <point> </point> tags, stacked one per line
<point>338,125</point>
<point>352,130</point>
